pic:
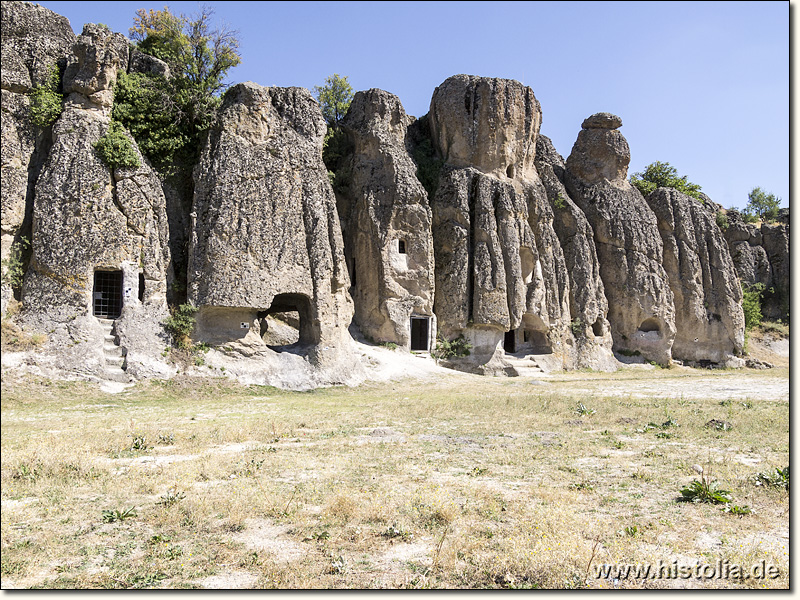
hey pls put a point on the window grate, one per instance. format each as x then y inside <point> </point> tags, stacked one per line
<point>107,294</point>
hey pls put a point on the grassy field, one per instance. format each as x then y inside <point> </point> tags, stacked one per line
<point>457,482</point>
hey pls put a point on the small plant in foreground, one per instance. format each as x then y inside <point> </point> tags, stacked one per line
<point>734,509</point>
<point>705,490</point>
<point>776,478</point>
<point>139,443</point>
<point>112,516</point>
<point>583,411</point>
<point>393,531</point>
<point>172,496</point>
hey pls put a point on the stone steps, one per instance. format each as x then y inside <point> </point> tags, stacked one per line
<point>524,366</point>
<point>114,353</point>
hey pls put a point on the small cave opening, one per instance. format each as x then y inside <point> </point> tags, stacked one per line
<point>510,341</point>
<point>597,328</point>
<point>141,287</point>
<point>401,246</point>
<point>649,325</point>
<point>510,171</point>
<point>286,324</point>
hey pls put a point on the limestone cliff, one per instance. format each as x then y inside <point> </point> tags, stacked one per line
<point>34,41</point>
<point>538,262</point>
<point>629,246</point>
<point>708,314</point>
<point>89,219</point>
<point>387,226</point>
<point>500,273</point>
<point>266,235</point>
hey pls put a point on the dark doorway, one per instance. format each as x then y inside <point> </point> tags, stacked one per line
<point>419,334</point>
<point>510,342</point>
<point>141,287</point>
<point>107,294</point>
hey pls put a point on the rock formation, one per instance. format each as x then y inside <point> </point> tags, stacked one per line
<point>709,320</point>
<point>91,222</point>
<point>629,246</point>
<point>266,235</point>
<point>587,302</point>
<point>34,40</point>
<point>387,226</point>
<point>761,256</point>
<point>499,267</point>
<point>533,260</point>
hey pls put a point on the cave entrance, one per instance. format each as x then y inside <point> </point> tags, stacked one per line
<point>287,322</point>
<point>650,325</point>
<point>510,342</point>
<point>107,294</point>
<point>420,334</point>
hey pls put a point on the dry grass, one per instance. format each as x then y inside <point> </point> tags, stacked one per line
<point>464,483</point>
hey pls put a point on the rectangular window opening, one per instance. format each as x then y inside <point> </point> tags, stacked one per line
<point>107,294</point>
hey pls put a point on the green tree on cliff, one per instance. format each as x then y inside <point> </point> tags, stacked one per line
<point>334,100</point>
<point>169,115</point>
<point>662,174</point>
<point>761,206</point>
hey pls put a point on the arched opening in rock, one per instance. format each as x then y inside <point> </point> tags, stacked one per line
<point>401,246</point>
<point>526,260</point>
<point>510,171</point>
<point>287,322</point>
<point>597,328</point>
<point>107,294</point>
<point>649,325</point>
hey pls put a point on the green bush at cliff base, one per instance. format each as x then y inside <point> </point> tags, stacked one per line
<point>181,323</point>
<point>751,304</point>
<point>116,149</point>
<point>457,348</point>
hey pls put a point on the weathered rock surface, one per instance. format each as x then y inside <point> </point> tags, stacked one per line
<point>587,302</point>
<point>761,256</point>
<point>500,273</point>
<point>266,235</point>
<point>628,242</point>
<point>709,320</point>
<point>486,123</point>
<point>34,39</point>
<point>87,218</point>
<point>387,225</point>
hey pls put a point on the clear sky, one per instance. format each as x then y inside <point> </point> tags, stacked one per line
<point>701,85</point>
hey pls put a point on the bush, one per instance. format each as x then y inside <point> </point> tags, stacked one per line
<point>751,304</point>
<point>181,323</point>
<point>662,174</point>
<point>761,206</point>
<point>46,102</point>
<point>116,149</point>
<point>457,348</point>
<point>722,221</point>
<point>14,265</point>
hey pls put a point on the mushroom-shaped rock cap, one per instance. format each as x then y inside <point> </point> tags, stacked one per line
<point>602,120</point>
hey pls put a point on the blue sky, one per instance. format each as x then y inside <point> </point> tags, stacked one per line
<point>701,85</point>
